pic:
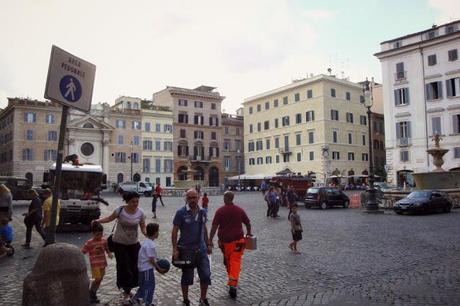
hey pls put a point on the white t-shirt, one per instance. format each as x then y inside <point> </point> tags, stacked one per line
<point>147,251</point>
<point>127,226</point>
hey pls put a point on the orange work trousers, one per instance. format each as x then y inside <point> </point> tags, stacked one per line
<point>233,251</point>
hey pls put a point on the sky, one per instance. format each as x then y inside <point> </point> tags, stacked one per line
<point>242,47</point>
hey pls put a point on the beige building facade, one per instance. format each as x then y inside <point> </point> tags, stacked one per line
<point>318,125</point>
<point>197,132</point>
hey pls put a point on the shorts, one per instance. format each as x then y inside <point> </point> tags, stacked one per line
<point>97,272</point>
<point>297,235</point>
<point>204,271</point>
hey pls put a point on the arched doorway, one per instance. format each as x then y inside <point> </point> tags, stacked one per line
<point>213,177</point>
<point>351,178</point>
<point>120,178</point>
<point>199,174</point>
<point>137,177</point>
<point>182,173</point>
<point>30,178</point>
<point>405,176</point>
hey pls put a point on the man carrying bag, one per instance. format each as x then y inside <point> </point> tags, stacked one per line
<point>192,248</point>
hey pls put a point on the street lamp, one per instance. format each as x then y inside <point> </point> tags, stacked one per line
<point>238,157</point>
<point>371,203</point>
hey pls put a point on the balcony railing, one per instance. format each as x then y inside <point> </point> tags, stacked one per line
<point>404,142</point>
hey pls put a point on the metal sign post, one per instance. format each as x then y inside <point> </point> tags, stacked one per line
<point>70,83</point>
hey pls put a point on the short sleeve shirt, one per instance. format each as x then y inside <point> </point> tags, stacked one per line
<point>126,231</point>
<point>229,219</point>
<point>148,250</point>
<point>96,250</point>
<point>188,224</point>
<point>47,204</point>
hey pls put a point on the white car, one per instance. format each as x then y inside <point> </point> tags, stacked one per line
<point>139,187</point>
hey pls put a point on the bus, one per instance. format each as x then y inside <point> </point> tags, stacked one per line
<point>79,193</point>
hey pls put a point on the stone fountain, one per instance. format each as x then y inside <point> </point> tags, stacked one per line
<point>190,182</point>
<point>438,178</point>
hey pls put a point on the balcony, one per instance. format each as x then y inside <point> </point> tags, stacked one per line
<point>401,75</point>
<point>285,151</point>
<point>404,142</point>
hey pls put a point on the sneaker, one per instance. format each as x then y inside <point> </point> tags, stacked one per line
<point>93,298</point>
<point>204,302</point>
<point>232,292</point>
<point>186,302</point>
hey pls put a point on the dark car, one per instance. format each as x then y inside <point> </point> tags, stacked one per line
<point>19,187</point>
<point>326,197</point>
<point>424,201</point>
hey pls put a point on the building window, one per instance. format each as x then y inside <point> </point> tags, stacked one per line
<point>251,129</point>
<point>147,145</point>
<point>431,34</point>
<point>259,108</point>
<point>334,136</point>
<point>285,100</point>
<point>167,146</point>
<point>183,133</point>
<point>400,73</point>
<point>351,156</point>
<point>135,157</point>
<point>213,135</point>
<point>298,118</point>
<point>226,130</point>
<point>147,126</point>
<point>277,159</point>
<point>250,109</point>
<point>362,120</point>
<point>365,157</point>
<point>167,128</point>
<point>335,155</point>
<point>457,152</point>
<point>404,156</point>
<point>362,99</point>
<point>436,125</point>
<point>350,117</point>
<point>364,140</point>
<point>456,123</point>
<point>401,96</point>
<point>259,145</point>
<point>298,139</point>
<point>198,119</point>
<point>136,140</point>
<point>266,125</point>
<point>251,161</point>
<point>275,103</point>
<point>50,155</point>
<point>285,158</point>
<point>250,146</point>
<point>267,105</point>
<point>237,131</point>
<point>168,166</point>
<point>158,165</point>
<point>334,115</point>
<point>309,94</point>
<point>277,142</point>
<point>121,124</point>
<point>452,55</point>
<point>183,102</point>
<point>286,143</point>
<point>136,125</point>
<point>213,105</point>
<point>213,121</point>
<point>52,136</point>
<point>312,155</point>
<point>227,163</point>
<point>157,145</point>
<point>50,118</point>
<point>226,145</point>
<point>276,123</point>
<point>120,157</point>
<point>267,144</point>
<point>453,87</point>
<point>299,156</point>
<point>146,165</point>
<point>30,135</point>
<point>432,60</point>
<point>350,138</point>
<point>260,160</point>
<point>259,126</point>
<point>285,121</point>
<point>30,117</point>
<point>403,130</point>
<point>311,137</point>
<point>332,92</point>
<point>310,116</point>
<point>297,97</point>
<point>348,96</point>
<point>120,139</point>
<point>198,134</point>
<point>268,159</point>
<point>182,118</point>
<point>434,90</point>
<point>198,104</point>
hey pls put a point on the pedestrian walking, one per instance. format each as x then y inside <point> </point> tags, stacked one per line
<point>33,217</point>
<point>96,248</point>
<point>154,206</point>
<point>126,243</point>
<point>205,202</point>
<point>291,197</point>
<point>271,197</point>
<point>228,222</point>
<point>47,205</point>
<point>146,263</point>
<point>190,221</point>
<point>296,229</point>
<point>6,202</point>
<point>158,191</point>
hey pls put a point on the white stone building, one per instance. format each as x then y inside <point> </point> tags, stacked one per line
<point>421,93</point>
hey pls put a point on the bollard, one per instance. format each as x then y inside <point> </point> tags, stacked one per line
<point>58,278</point>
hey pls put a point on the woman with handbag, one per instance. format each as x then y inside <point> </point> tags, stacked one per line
<point>125,241</point>
<point>33,217</point>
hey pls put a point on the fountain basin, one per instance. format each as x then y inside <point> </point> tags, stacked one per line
<point>437,180</point>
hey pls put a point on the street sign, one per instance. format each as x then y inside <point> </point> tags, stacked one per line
<point>70,80</point>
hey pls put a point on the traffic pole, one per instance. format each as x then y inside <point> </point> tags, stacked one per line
<point>51,229</point>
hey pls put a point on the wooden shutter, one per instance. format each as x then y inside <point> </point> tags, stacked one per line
<point>398,132</point>
<point>449,88</point>
<point>409,135</point>
<point>439,84</point>
<point>456,128</point>
<point>406,95</point>
<point>429,92</point>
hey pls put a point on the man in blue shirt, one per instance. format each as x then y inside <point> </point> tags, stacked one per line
<point>187,221</point>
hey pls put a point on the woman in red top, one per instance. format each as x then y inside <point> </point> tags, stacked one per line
<point>158,194</point>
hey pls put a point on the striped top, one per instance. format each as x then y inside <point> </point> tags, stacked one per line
<point>96,250</point>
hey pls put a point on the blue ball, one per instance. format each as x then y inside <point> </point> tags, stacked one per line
<point>164,264</point>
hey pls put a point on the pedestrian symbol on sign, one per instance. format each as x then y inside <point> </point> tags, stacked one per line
<point>70,88</point>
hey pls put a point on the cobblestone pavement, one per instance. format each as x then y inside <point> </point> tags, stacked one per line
<point>347,258</point>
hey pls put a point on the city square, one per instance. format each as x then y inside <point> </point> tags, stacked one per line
<point>347,258</point>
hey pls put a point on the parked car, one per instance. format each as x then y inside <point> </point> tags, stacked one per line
<point>139,187</point>
<point>326,197</point>
<point>423,201</point>
<point>19,187</point>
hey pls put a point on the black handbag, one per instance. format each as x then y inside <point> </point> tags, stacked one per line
<point>189,257</point>
<point>110,243</point>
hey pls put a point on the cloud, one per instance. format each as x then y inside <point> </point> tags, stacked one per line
<point>320,14</point>
<point>449,10</point>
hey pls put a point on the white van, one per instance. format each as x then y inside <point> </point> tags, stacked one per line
<point>139,187</point>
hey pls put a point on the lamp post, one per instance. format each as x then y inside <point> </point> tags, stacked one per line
<point>371,203</point>
<point>131,161</point>
<point>238,157</point>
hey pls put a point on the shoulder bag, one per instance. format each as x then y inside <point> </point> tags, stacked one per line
<point>189,257</point>
<point>110,243</point>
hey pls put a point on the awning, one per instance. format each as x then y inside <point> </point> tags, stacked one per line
<point>250,177</point>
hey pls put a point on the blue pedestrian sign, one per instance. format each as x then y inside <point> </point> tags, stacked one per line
<point>70,80</point>
<point>70,88</point>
